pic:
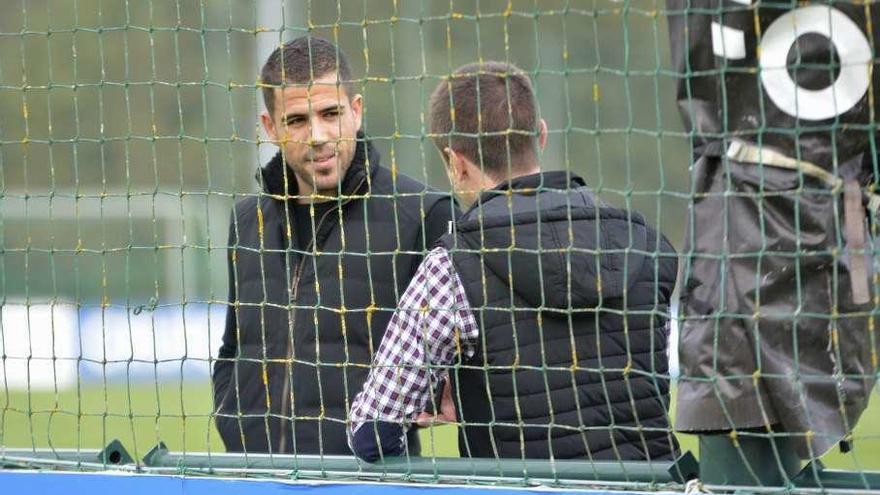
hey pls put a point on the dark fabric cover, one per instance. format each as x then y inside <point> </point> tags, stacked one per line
<point>578,369</point>
<point>771,335</point>
<point>324,309</point>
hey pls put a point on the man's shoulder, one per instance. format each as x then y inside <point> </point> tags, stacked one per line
<point>385,182</point>
<point>411,197</point>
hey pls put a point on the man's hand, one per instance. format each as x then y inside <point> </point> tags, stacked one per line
<point>447,409</point>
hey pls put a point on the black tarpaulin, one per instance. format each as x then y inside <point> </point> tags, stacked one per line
<point>778,288</point>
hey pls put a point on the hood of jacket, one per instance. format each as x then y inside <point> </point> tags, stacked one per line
<point>555,243</point>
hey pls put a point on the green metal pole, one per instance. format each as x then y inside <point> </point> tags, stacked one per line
<point>513,470</point>
<point>722,464</point>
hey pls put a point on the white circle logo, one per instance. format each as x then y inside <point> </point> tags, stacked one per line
<point>854,53</point>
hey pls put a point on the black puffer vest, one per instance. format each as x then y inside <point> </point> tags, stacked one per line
<point>578,367</point>
<point>302,325</point>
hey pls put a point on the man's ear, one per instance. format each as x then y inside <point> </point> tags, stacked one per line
<point>447,165</point>
<point>457,164</point>
<point>269,126</point>
<point>542,134</point>
<point>357,108</point>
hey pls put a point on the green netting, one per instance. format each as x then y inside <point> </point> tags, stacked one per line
<point>129,129</point>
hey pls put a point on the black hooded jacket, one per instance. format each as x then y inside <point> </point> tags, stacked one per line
<point>302,324</point>
<point>578,369</point>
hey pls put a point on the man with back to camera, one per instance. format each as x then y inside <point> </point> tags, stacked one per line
<point>520,286</point>
<point>316,261</point>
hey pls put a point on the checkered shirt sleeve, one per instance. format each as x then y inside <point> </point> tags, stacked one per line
<point>433,320</point>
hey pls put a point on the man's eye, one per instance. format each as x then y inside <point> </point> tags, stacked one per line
<point>295,121</point>
<point>331,113</point>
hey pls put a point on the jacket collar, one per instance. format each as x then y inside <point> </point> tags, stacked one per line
<point>364,163</point>
<point>529,184</point>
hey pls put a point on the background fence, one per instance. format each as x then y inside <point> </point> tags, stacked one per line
<point>128,129</point>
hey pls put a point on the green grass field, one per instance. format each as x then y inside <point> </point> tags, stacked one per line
<point>179,415</point>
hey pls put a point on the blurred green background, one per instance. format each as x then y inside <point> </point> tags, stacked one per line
<point>127,130</point>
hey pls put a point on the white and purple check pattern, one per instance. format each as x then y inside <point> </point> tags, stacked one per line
<point>433,320</point>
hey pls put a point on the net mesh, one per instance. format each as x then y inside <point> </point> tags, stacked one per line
<point>128,130</point>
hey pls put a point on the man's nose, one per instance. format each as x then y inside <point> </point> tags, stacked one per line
<point>321,133</point>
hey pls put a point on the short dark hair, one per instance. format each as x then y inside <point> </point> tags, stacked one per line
<point>504,127</point>
<point>301,61</point>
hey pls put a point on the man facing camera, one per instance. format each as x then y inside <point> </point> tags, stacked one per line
<point>316,261</point>
<point>545,308</point>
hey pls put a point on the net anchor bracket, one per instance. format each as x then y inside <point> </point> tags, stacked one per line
<point>115,454</point>
<point>685,468</point>
<point>155,455</point>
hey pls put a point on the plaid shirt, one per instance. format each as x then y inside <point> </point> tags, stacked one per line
<point>432,322</point>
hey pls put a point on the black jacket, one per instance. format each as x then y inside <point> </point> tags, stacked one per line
<point>302,325</point>
<point>578,368</point>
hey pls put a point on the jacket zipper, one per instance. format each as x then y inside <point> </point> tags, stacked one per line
<point>294,291</point>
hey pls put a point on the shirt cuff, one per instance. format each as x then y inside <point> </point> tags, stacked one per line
<point>373,440</point>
